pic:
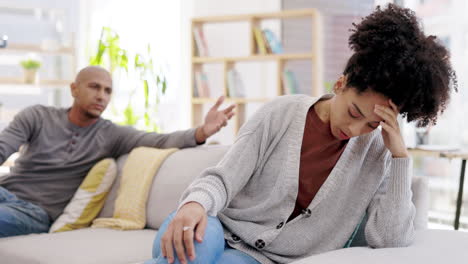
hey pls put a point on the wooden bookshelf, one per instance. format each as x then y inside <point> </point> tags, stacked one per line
<point>19,81</point>
<point>315,56</point>
<point>259,57</point>
<point>230,100</point>
<point>21,48</point>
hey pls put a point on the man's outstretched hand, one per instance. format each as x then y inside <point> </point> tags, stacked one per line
<point>214,120</point>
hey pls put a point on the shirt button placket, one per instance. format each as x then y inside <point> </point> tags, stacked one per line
<point>72,142</point>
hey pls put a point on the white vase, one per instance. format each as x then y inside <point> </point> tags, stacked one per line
<point>31,76</point>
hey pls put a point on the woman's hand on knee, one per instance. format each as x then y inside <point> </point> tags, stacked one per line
<point>189,223</point>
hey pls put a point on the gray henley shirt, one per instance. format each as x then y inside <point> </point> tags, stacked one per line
<point>56,154</point>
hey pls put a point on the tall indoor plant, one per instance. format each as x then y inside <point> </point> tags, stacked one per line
<point>140,69</point>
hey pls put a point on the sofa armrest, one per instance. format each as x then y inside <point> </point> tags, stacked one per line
<point>420,188</point>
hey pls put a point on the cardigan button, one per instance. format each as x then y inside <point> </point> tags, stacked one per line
<point>280,225</point>
<point>235,238</point>
<point>260,244</point>
<point>307,212</point>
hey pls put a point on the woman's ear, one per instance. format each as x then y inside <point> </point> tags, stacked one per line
<point>340,85</point>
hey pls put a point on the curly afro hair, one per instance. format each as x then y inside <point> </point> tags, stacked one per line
<point>393,57</point>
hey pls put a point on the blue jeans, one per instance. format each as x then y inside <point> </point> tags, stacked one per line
<point>212,250</point>
<point>18,217</point>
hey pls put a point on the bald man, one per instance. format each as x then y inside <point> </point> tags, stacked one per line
<point>61,145</point>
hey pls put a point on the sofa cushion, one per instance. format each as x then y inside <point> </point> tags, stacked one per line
<point>89,199</point>
<point>173,177</point>
<point>108,209</point>
<point>88,245</point>
<point>137,177</point>
<point>429,247</point>
<point>420,189</point>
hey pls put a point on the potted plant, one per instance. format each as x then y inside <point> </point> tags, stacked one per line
<point>30,67</point>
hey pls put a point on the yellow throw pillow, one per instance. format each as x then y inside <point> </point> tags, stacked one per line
<point>88,199</point>
<point>135,183</point>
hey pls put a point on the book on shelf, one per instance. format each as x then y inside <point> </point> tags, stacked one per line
<point>267,42</point>
<point>290,84</point>
<point>201,85</point>
<point>236,87</point>
<point>195,89</point>
<point>260,40</point>
<point>272,41</point>
<point>200,42</point>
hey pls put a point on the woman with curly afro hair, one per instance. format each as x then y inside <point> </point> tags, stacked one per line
<point>308,175</point>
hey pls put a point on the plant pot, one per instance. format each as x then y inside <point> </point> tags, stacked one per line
<point>31,76</point>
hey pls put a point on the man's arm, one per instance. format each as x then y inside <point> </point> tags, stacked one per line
<point>18,132</point>
<point>127,138</point>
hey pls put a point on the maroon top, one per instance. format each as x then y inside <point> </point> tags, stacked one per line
<point>319,153</point>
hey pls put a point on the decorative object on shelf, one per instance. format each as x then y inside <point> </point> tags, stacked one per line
<point>4,42</point>
<point>30,67</point>
<point>112,56</point>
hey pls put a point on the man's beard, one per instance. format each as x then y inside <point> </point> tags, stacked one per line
<point>91,115</point>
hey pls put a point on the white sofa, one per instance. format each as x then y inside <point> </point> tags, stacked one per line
<point>110,246</point>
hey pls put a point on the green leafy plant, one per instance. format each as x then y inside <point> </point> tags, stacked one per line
<point>30,64</point>
<point>329,87</point>
<point>111,55</point>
